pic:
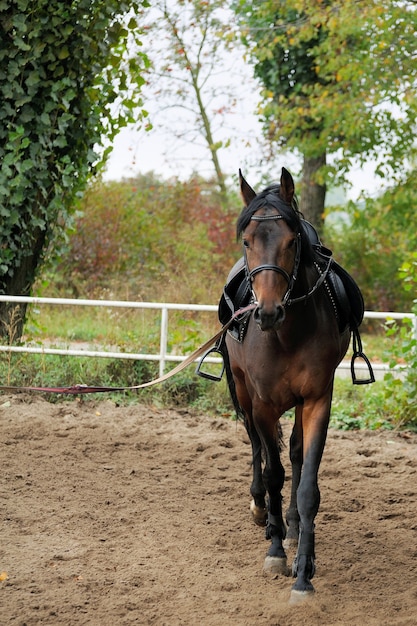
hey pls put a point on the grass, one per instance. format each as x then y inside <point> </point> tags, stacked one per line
<point>359,406</point>
<point>354,407</point>
<point>129,329</point>
<point>108,326</point>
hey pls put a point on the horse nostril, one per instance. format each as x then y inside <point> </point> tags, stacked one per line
<point>280,314</point>
<point>257,315</point>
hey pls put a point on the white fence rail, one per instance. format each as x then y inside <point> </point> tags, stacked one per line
<point>163,307</point>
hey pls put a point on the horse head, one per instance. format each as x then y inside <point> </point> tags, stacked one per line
<point>270,228</point>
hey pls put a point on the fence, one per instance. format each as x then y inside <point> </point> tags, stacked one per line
<point>163,356</point>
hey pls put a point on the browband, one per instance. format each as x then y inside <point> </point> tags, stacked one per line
<point>261,218</point>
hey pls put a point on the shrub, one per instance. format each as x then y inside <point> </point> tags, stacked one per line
<point>401,393</point>
<point>150,239</point>
<point>372,247</point>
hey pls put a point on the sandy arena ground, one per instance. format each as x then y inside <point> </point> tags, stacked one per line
<point>135,515</point>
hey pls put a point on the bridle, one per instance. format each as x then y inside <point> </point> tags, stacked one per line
<point>276,268</point>
<point>286,300</point>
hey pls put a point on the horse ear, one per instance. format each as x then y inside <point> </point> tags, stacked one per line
<point>248,193</point>
<point>286,190</point>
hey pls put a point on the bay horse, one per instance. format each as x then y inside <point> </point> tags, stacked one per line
<point>292,345</point>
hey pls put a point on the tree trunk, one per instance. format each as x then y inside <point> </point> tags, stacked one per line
<point>12,314</point>
<point>312,194</point>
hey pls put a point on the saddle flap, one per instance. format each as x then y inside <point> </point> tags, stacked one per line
<point>353,296</point>
<point>236,293</point>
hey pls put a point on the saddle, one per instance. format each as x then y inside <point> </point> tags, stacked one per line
<point>342,291</point>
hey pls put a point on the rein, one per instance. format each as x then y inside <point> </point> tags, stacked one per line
<point>84,389</point>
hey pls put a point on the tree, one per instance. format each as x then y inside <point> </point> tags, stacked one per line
<point>65,79</point>
<point>188,42</point>
<point>339,81</point>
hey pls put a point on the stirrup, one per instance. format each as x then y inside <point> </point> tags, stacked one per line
<point>213,377</point>
<point>359,354</point>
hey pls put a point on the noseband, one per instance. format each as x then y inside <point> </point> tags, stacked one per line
<point>276,268</point>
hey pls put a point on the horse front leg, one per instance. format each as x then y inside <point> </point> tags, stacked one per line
<point>315,422</point>
<point>273,479</point>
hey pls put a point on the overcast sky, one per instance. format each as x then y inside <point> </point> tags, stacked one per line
<point>137,152</point>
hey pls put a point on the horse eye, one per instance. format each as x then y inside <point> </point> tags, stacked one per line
<point>246,243</point>
<point>291,243</point>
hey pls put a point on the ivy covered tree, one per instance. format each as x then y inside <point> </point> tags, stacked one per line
<point>339,83</point>
<point>67,89</point>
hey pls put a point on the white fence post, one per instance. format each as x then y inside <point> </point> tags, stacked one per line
<point>163,340</point>
<point>415,327</point>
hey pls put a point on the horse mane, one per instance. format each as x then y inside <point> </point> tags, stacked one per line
<point>270,197</point>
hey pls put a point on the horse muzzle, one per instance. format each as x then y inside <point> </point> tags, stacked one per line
<point>269,319</point>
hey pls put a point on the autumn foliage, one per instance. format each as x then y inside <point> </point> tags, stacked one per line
<point>154,240</point>
<point>149,239</point>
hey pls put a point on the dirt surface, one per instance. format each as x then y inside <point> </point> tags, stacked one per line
<point>134,515</point>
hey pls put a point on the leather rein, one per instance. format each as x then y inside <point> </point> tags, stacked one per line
<point>286,300</point>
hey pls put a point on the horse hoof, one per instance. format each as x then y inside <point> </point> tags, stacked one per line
<point>300,597</point>
<point>274,565</point>
<point>290,543</point>
<point>259,514</point>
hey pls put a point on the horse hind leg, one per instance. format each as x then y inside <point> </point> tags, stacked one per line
<point>259,513</point>
<point>276,558</point>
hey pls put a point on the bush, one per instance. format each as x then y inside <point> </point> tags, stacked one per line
<point>149,239</point>
<point>401,393</point>
<point>372,247</point>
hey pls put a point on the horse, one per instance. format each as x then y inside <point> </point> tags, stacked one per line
<point>285,357</point>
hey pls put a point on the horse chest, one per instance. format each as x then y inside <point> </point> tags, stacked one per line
<point>282,375</point>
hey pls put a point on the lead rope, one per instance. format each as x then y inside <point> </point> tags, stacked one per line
<point>84,389</point>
